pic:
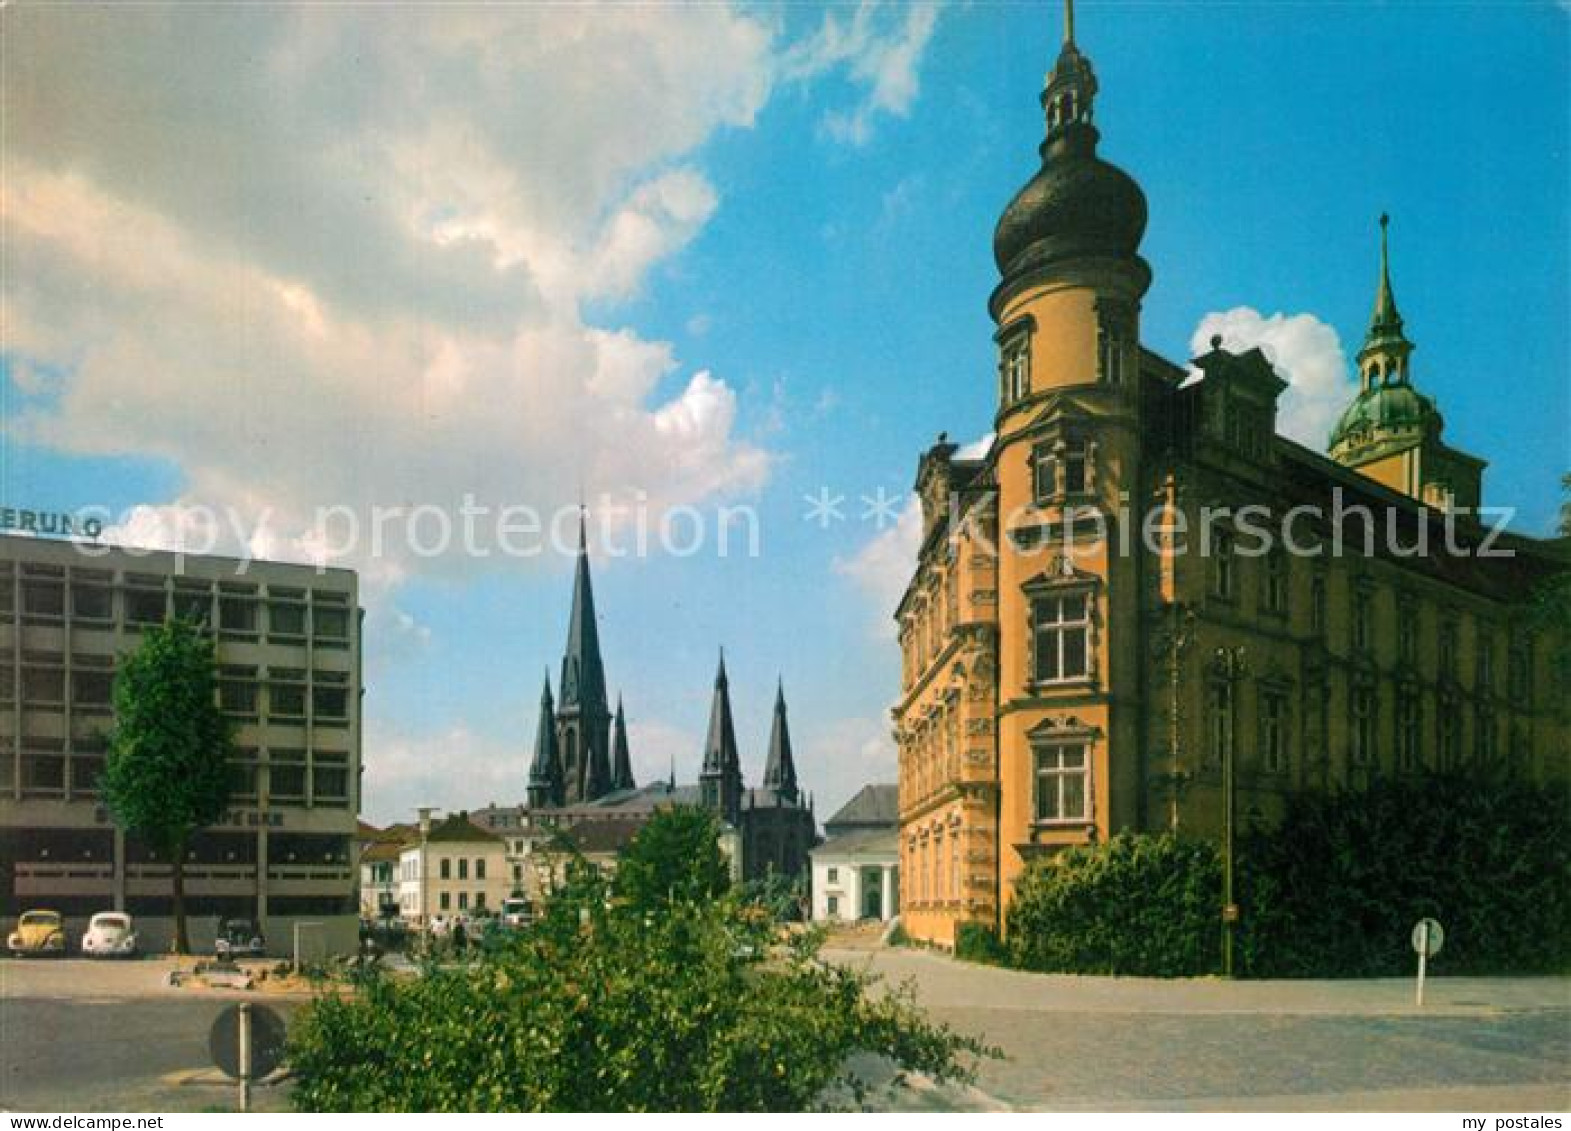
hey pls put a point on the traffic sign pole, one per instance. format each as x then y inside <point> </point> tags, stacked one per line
<point>245,1056</point>
<point>1423,960</point>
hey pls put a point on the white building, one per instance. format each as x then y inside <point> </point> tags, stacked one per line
<point>451,867</point>
<point>856,871</point>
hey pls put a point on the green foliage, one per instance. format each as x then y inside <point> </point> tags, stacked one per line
<point>979,942</point>
<point>783,898</point>
<point>691,1006</point>
<point>675,858</point>
<point>1137,905</point>
<point>1331,891</point>
<point>167,772</point>
<point>1336,888</point>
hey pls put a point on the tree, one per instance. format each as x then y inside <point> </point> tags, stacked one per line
<point>674,858</point>
<point>167,772</point>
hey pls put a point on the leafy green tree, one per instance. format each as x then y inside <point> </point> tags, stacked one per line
<point>784,898</point>
<point>675,858</point>
<point>167,773</point>
<point>688,1006</point>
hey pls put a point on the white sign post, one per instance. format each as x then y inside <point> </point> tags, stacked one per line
<point>1428,938</point>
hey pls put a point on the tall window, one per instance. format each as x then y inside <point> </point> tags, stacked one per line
<point>1450,730</point>
<point>1110,355</point>
<point>1407,733</point>
<point>1061,792</point>
<point>1276,583</point>
<point>1273,730</point>
<point>1062,627</point>
<point>1363,617</point>
<point>1317,605</point>
<point>1219,723</point>
<point>1407,632</point>
<point>1486,662</point>
<point>1520,674</point>
<point>1484,736</point>
<point>1447,659</point>
<point>480,869</point>
<point>1015,369</point>
<point>1223,566</point>
<point>447,868</point>
<point>1362,750</point>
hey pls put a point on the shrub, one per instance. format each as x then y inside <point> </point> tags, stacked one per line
<point>1137,905</point>
<point>685,1010</point>
<point>978,942</point>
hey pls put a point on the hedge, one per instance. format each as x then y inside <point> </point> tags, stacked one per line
<point>1331,891</point>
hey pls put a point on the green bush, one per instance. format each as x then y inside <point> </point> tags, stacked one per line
<point>1334,890</point>
<point>1331,891</point>
<point>1137,905</point>
<point>611,1005</point>
<point>978,942</point>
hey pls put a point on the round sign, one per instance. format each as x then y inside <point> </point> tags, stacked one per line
<point>267,1041</point>
<point>1428,937</point>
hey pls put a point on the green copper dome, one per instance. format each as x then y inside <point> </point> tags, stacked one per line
<point>1383,412</point>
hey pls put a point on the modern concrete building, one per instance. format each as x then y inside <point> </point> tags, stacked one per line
<point>1097,638</point>
<point>288,642</point>
<point>856,870</point>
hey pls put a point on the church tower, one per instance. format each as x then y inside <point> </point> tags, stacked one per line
<point>720,780</point>
<point>583,717</point>
<point>621,759</point>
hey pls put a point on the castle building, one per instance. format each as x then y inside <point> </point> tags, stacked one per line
<point>581,772</point>
<point>1141,585</point>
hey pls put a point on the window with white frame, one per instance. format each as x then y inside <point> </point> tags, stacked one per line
<point>1062,468</point>
<point>1061,627</point>
<point>1015,368</point>
<point>1276,583</point>
<point>1061,779</point>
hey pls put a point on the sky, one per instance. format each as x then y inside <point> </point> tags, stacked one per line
<point>304,264</point>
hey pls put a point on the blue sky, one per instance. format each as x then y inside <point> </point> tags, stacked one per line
<point>743,257</point>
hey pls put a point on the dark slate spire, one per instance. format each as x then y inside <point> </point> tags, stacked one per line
<point>583,672</point>
<point>1383,360</point>
<point>621,761</point>
<point>780,769</point>
<point>545,773</point>
<point>721,778</point>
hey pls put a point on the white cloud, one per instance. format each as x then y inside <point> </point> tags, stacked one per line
<point>842,756</point>
<point>453,768</point>
<point>356,253</point>
<point>884,565</point>
<point>879,49</point>
<point>1307,354</point>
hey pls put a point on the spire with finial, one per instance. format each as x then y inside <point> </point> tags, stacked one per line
<point>545,772</point>
<point>720,780</point>
<point>1071,86</point>
<point>780,767</point>
<point>1384,356</point>
<point>1069,21</point>
<point>621,760</point>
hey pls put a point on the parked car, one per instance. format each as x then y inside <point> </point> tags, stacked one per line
<point>239,938</point>
<point>38,932</point>
<point>110,934</point>
<point>517,912</point>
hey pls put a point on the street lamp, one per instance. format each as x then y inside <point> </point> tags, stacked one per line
<point>1230,664</point>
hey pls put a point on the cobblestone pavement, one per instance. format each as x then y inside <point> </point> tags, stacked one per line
<point>1203,1044</point>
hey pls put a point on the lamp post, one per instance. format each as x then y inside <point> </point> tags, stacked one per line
<point>1230,665</point>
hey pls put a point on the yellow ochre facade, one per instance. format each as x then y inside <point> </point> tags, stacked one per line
<point>1138,581</point>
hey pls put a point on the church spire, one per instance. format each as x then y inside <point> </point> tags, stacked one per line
<point>780,768</point>
<point>545,772</point>
<point>621,761</point>
<point>1384,356</point>
<point>1070,91</point>
<point>583,672</point>
<point>721,778</point>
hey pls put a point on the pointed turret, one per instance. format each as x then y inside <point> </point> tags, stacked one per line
<point>583,673</point>
<point>583,716</point>
<point>720,781</point>
<point>545,772</point>
<point>780,768</point>
<point>1384,356</point>
<point>621,760</point>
